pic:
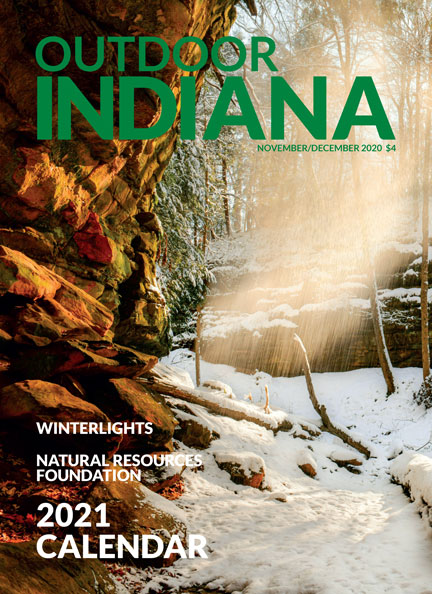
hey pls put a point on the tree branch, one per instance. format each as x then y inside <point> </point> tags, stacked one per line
<point>329,426</point>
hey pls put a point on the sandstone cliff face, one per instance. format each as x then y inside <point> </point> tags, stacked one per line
<point>265,295</point>
<point>83,208</point>
<point>81,313</point>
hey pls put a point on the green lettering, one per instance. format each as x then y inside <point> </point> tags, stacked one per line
<point>142,46</point>
<point>187,109</point>
<point>263,55</point>
<point>127,130</point>
<point>44,107</point>
<point>190,67</point>
<point>220,117</point>
<point>66,54</point>
<point>316,122</point>
<point>241,56</point>
<point>377,117</point>
<point>121,44</point>
<point>69,93</point>
<point>99,56</point>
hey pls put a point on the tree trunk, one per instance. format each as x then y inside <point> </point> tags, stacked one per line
<point>205,229</point>
<point>225,197</point>
<point>198,346</point>
<point>424,273</point>
<point>236,212</point>
<point>195,233</point>
<point>424,279</point>
<point>383,354</point>
<point>195,397</point>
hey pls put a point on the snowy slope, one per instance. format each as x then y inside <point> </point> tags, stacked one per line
<point>339,533</point>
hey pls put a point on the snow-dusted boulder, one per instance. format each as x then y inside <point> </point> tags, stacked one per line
<point>343,457</point>
<point>414,472</point>
<point>306,462</point>
<point>244,468</point>
<point>194,432</point>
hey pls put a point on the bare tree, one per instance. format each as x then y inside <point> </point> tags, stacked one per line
<point>225,197</point>
<point>198,346</point>
<point>424,273</point>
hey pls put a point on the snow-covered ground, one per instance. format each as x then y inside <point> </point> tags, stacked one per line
<point>339,533</point>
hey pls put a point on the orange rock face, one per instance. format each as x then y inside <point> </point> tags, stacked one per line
<point>80,306</point>
<point>80,201</point>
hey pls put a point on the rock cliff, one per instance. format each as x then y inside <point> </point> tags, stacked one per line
<point>81,312</point>
<point>268,288</point>
<point>83,208</point>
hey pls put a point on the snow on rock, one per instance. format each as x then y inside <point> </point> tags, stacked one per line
<point>344,457</point>
<point>414,472</point>
<point>147,497</point>
<point>303,428</point>
<point>307,463</point>
<point>223,323</point>
<point>193,432</point>
<point>244,468</point>
<point>219,386</point>
<point>272,286</point>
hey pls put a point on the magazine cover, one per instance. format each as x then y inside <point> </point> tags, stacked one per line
<point>214,297</point>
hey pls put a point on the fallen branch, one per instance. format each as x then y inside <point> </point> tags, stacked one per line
<point>329,426</point>
<point>194,397</point>
<point>165,380</point>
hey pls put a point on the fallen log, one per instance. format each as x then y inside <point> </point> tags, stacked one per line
<point>195,397</point>
<point>328,424</point>
<point>165,381</point>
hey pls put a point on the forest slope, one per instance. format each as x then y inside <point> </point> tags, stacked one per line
<point>340,533</point>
